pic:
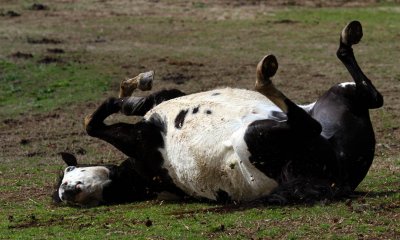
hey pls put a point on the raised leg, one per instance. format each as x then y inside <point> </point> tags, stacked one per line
<point>125,136</point>
<point>298,119</point>
<point>116,134</point>
<point>343,111</point>
<point>368,95</point>
<point>130,139</point>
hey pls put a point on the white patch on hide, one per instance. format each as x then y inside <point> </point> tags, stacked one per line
<point>308,107</point>
<point>345,84</point>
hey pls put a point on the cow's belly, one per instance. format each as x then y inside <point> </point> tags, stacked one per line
<point>204,152</point>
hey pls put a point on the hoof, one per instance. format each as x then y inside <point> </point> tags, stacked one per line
<point>87,120</point>
<point>266,69</point>
<point>352,33</point>
<point>145,82</point>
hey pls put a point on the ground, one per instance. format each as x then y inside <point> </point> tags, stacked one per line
<point>60,59</point>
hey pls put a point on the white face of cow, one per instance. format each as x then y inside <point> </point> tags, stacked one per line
<point>84,185</point>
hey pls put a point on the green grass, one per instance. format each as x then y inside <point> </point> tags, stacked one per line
<point>304,40</point>
<point>42,88</point>
<point>338,220</point>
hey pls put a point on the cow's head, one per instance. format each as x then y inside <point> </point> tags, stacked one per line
<point>81,185</point>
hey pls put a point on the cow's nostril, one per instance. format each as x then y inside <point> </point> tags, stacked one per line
<point>71,193</point>
<point>78,187</point>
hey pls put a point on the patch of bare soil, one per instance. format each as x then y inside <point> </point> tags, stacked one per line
<point>308,3</point>
<point>43,40</point>
<point>10,13</point>
<point>38,7</point>
<point>32,221</point>
<point>181,63</point>
<point>49,59</point>
<point>21,55</point>
<point>177,78</point>
<point>77,222</point>
<point>55,50</point>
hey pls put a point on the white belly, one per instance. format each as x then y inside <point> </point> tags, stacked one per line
<point>206,153</point>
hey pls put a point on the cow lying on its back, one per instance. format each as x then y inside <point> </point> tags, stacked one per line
<point>232,144</point>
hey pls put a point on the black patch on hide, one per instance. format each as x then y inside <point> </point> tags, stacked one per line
<point>196,109</point>
<point>180,118</point>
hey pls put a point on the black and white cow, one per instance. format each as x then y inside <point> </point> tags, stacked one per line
<point>233,144</point>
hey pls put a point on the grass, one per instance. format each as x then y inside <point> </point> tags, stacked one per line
<point>41,88</point>
<point>211,44</point>
<point>154,220</point>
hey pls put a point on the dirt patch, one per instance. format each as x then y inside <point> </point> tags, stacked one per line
<point>98,39</point>
<point>308,3</point>
<point>32,221</point>
<point>78,222</point>
<point>177,78</point>
<point>21,55</point>
<point>38,7</point>
<point>34,154</point>
<point>48,60</point>
<point>43,40</point>
<point>182,63</point>
<point>24,141</point>
<point>11,122</point>
<point>10,13</point>
<point>285,21</point>
<point>55,50</point>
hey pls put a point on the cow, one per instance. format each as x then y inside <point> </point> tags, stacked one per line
<point>232,144</point>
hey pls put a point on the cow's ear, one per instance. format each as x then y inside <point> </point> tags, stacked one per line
<point>69,159</point>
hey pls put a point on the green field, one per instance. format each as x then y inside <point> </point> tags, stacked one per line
<point>58,64</point>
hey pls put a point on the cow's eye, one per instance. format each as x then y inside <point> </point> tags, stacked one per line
<point>69,169</point>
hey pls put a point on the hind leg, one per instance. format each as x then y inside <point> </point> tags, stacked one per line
<point>292,151</point>
<point>367,93</point>
<point>344,115</point>
<point>304,166</point>
<point>298,119</point>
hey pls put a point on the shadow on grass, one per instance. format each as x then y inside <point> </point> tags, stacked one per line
<point>349,200</point>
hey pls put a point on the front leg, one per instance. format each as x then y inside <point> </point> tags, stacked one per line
<point>128,138</point>
<point>96,119</point>
<point>122,135</point>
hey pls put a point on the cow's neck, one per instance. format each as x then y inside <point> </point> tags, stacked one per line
<point>126,185</point>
